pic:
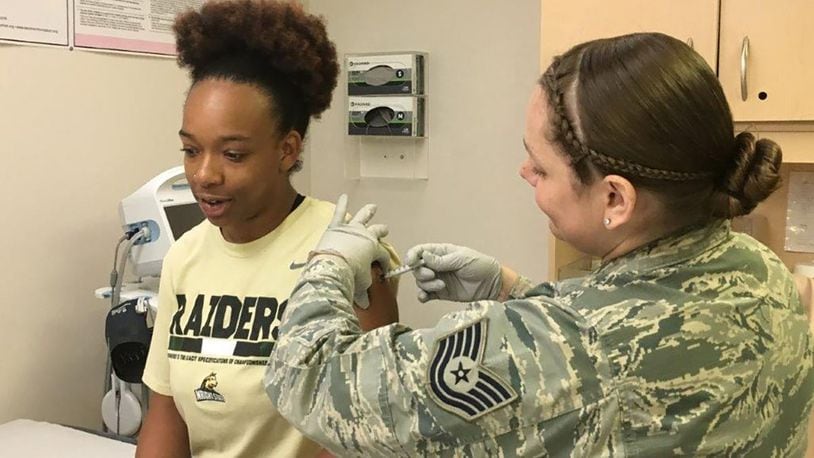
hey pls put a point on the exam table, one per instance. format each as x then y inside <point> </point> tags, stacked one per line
<point>28,438</point>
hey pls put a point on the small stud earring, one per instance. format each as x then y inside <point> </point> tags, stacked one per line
<point>606,221</point>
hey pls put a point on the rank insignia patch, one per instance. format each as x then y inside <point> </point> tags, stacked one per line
<point>458,382</point>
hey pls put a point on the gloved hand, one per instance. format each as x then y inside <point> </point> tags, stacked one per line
<point>357,243</point>
<point>454,273</point>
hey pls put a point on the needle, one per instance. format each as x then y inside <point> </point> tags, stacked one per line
<point>403,269</point>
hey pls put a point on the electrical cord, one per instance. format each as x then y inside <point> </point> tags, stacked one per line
<point>115,293</point>
<point>119,409</point>
<point>114,275</point>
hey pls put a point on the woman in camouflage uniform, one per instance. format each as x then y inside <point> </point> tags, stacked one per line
<point>689,339</point>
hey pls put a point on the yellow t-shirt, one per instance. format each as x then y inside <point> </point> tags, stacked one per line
<point>219,308</point>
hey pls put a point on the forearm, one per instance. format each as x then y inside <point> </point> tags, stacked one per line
<point>319,351</point>
<point>319,312</point>
<point>164,433</point>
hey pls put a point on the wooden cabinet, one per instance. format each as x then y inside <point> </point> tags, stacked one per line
<point>767,46</point>
<point>564,23</point>
<point>797,145</point>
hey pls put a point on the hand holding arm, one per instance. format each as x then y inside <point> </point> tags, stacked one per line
<point>357,244</point>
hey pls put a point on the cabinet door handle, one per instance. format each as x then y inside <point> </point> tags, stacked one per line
<point>744,64</point>
<point>690,43</point>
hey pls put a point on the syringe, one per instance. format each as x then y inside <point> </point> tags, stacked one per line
<point>403,269</point>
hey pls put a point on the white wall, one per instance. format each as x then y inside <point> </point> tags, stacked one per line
<point>78,131</point>
<point>483,64</point>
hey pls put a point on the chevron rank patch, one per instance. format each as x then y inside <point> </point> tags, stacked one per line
<point>458,382</point>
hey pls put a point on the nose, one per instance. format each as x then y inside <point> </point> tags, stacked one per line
<point>526,173</point>
<point>206,170</point>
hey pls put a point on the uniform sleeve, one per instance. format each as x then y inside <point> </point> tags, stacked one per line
<point>479,374</point>
<point>157,369</point>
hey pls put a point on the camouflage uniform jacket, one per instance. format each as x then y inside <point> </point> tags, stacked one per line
<point>695,344</point>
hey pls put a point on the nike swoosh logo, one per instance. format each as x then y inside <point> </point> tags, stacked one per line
<point>296,265</point>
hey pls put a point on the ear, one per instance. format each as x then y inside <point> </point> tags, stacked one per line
<point>290,148</point>
<point>620,200</point>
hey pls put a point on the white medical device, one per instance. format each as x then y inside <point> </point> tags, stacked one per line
<point>166,207</point>
<point>160,211</point>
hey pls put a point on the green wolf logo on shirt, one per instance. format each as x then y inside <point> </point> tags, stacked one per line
<point>207,390</point>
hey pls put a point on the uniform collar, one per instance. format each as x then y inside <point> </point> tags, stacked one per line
<point>672,249</point>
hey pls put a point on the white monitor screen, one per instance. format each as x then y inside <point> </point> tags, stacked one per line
<point>183,218</point>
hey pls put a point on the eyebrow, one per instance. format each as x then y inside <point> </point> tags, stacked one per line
<point>224,139</point>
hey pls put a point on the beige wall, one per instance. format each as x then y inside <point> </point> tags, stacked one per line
<point>78,131</point>
<point>483,63</point>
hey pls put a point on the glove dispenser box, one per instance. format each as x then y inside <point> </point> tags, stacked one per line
<point>389,116</point>
<point>385,74</point>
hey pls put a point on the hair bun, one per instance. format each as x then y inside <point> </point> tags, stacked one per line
<point>278,35</point>
<point>753,175</point>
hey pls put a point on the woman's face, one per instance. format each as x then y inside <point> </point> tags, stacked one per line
<point>574,210</point>
<point>233,158</point>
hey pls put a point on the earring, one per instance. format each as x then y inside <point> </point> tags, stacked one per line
<point>606,221</point>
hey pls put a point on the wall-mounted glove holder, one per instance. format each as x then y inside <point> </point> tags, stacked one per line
<point>386,74</point>
<point>386,116</point>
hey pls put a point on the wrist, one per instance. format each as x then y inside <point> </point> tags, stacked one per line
<point>338,258</point>
<point>508,278</point>
<point>326,253</point>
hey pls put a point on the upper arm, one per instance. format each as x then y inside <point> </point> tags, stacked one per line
<point>164,433</point>
<point>383,308</point>
<point>383,305</point>
<point>491,370</point>
<point>479,373</point>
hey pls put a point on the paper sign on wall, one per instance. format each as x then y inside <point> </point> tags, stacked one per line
<point>143,26</point>
<point>34,21</point>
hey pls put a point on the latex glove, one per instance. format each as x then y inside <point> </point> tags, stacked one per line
<point>454,273</point>
<point>356,243</point>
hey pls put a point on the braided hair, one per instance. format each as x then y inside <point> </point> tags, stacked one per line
<point>647,107</point>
